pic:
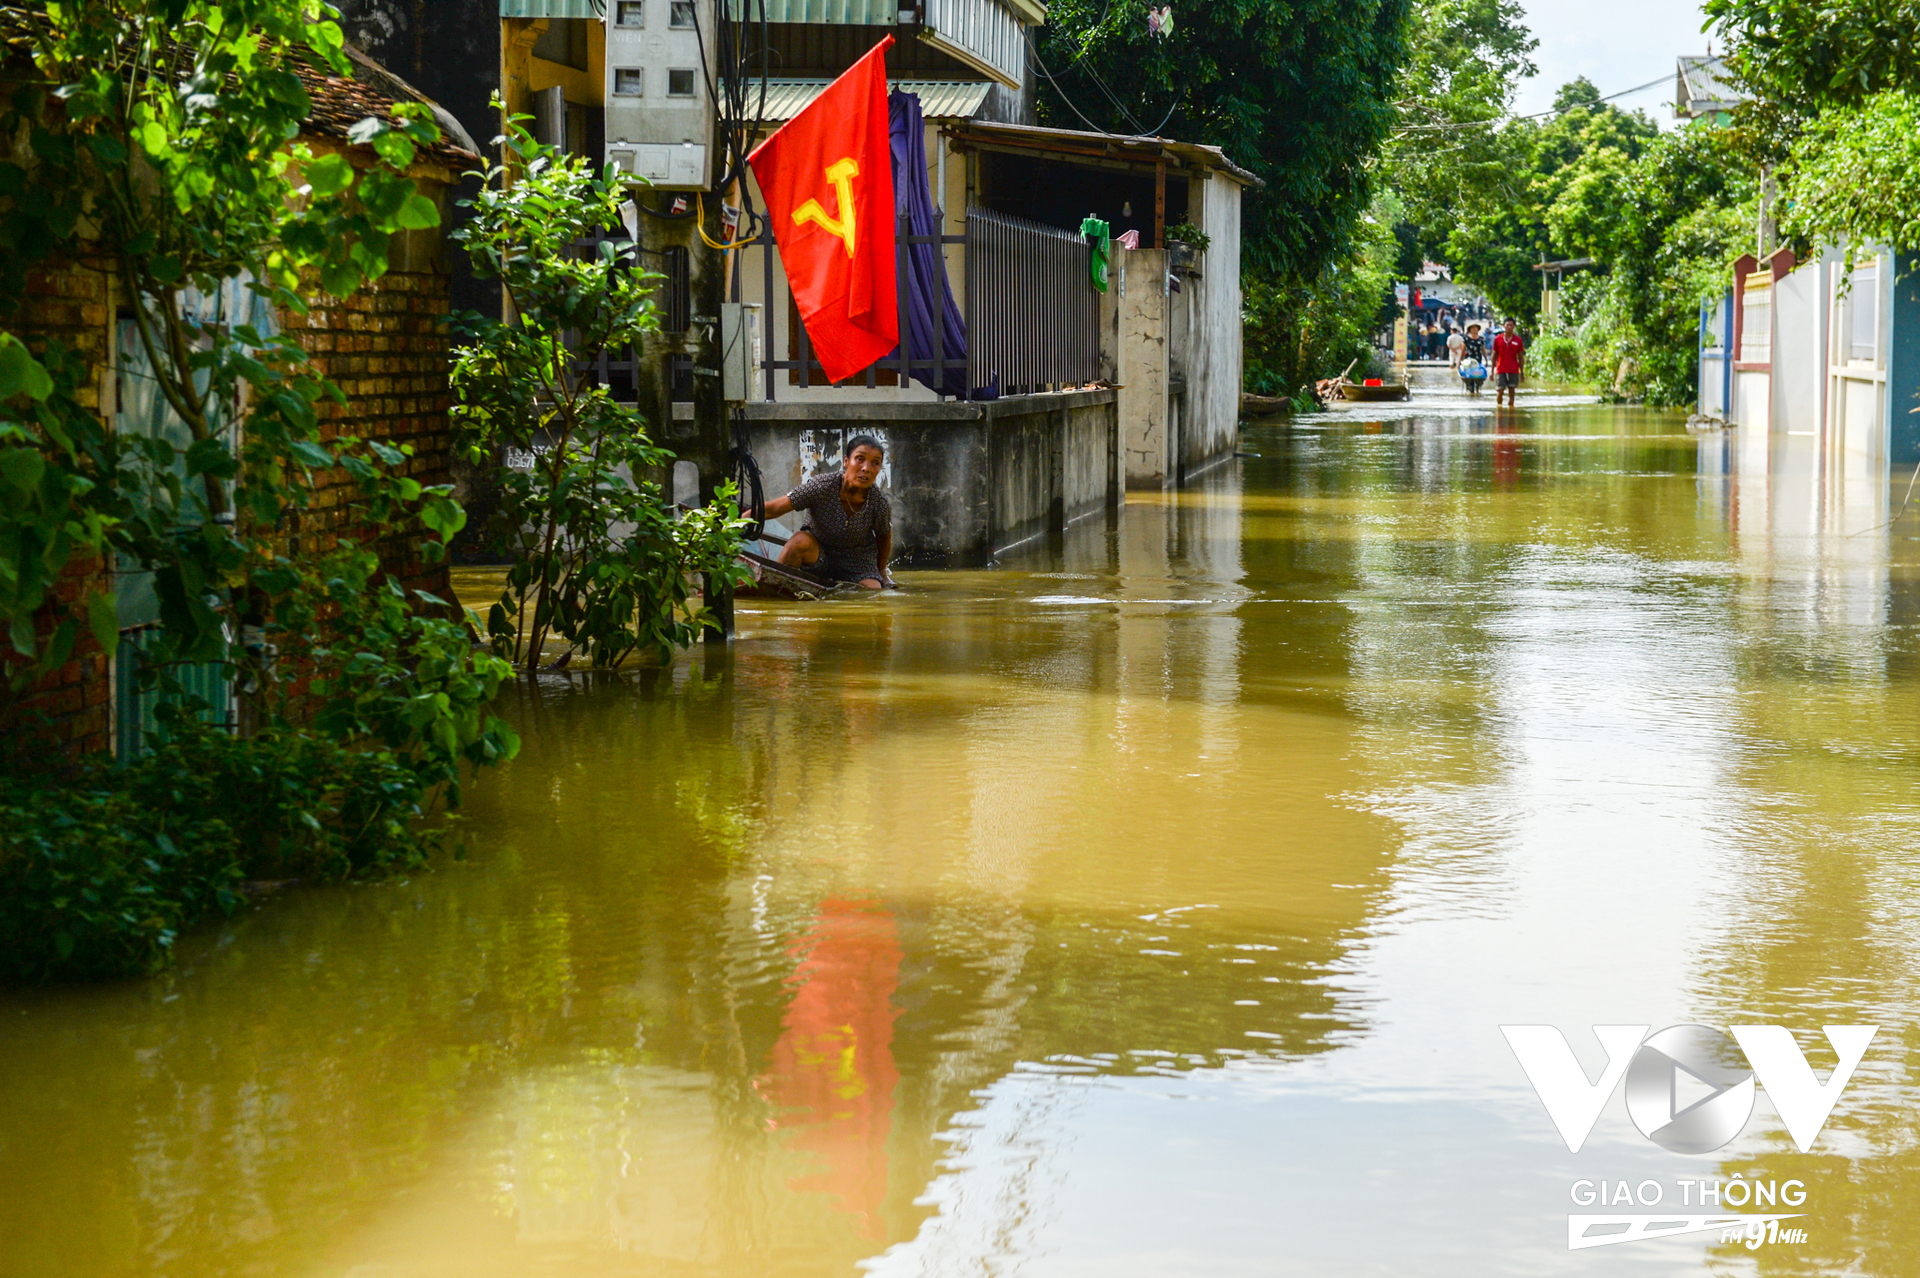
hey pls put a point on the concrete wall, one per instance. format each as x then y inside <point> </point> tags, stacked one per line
<point>1210,424</point>
<point>967,480</point>
<point>1715,356</point>
<point>1796,391</point>
<point>1141,364</point>
<point>1858,392</point>
<point>1750,401</point>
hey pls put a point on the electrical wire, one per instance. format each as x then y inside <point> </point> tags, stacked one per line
<point>723,246</point>
<point>1455,125</point>
<point>1041,64</point>
<point>748,483</point>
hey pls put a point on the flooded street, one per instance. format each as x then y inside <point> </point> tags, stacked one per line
<point>1147,905</point>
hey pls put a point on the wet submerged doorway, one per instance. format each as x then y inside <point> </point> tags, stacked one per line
<point>1146,907</point>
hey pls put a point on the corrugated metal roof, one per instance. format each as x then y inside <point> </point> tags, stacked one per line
<point>552,8</point>
<point>939,99</point>
<point>867,13</point>
<point>1703,86</point>
<point>1111,147</point>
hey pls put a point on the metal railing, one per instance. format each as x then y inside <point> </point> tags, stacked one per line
<point>805,369</point>
<point>1033,315</point>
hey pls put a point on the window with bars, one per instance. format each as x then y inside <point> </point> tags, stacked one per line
<point>630,13</point>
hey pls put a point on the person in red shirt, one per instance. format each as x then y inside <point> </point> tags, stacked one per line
<point>1509,360</point>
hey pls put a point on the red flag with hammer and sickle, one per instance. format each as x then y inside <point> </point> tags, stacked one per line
<point>827,177</point>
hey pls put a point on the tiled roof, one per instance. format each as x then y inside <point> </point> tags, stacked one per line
<point>337,103</point>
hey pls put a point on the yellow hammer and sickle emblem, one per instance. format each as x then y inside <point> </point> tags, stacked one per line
<point>839,175</point>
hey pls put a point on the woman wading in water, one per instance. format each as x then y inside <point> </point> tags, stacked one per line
<point>848,536</point>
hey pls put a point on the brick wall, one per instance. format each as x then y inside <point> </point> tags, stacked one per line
<point>72,706</point>
<point>387,350</point>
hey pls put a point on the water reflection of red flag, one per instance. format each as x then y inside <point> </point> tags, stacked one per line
<point>833,1076</point>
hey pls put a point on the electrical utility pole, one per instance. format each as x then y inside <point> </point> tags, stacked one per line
<point>670,69</point>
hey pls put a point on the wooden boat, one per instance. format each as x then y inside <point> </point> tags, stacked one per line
<point>1252,405</point>
<point>1359,394</point>
<point>774,580</point>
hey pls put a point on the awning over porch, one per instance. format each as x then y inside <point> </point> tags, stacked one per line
<point>1072,145</point>
<point>939,99</point>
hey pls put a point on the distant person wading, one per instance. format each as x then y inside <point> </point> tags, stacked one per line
<point>848,536</point>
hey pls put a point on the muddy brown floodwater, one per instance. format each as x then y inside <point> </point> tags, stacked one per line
<point>1149,905</point>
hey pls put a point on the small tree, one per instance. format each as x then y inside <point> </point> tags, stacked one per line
<point>600,559</point>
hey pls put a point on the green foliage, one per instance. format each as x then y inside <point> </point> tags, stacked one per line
<point>1809,57</point>
<point>168,126</point>
<point>1835,91</point>
<point>1447,157</point>
<point>1664,228</point>
<point>600,559</point>
<point>1687,210</point>
<point>160,142</point>
<point>1298,91</point>
<point>1298,333</point>
<point>101,872</point>
<point>1552,202</point>
<point>1854,175</point>
<point>1188,233</point>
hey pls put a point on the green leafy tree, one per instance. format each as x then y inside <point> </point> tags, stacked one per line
<point>1813,57</point>
<point>1296,333</point>
<point>1834,90</point>
<point>1447,156</point>
<point>601,560</point>
<point>1853,176</point>
<point>1298,91</point>
<point>1565,161</point>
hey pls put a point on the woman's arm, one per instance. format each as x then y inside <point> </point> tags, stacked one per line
<point>781,505</point>
<point>884,538</point>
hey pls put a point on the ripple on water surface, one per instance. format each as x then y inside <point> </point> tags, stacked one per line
<point>1149,905</point>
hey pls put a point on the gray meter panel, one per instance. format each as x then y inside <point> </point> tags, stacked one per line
<point>659,116</point>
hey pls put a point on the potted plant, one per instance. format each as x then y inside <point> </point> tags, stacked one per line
<point>1185,243</point>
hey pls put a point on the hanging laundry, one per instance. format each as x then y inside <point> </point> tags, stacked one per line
<point>1160,21</point>
<point>1128,240</point>
<point>1098,235</point>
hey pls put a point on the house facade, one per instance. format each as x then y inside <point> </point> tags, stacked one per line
<point>386,348</point>
<point>1043,397</point>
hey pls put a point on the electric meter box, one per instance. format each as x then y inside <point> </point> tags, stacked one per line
<point>659,116</point>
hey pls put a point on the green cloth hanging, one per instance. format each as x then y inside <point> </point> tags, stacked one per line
<point>1096,231</point>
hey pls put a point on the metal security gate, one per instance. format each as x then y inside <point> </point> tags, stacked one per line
<point>135,716</point>
<point>1033,315</point>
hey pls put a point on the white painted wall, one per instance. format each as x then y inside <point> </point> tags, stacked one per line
<point>1858,357</point>
<point>1214,345</point>
<point>1751,402</point>
<point>1796,395</point>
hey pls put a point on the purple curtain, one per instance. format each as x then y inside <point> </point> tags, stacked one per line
<point>924,288</point>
